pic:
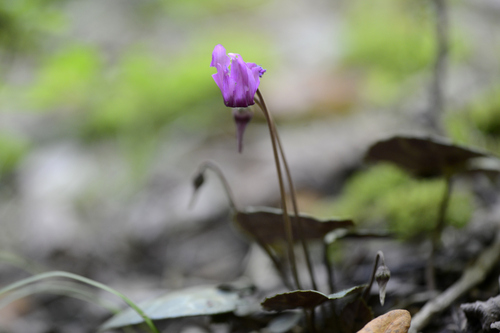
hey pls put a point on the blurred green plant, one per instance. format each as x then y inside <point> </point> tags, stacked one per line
<point>194,9</point>
<point>390,41</point>
<point>67,79</point>
<point>386,194</point>
<point>137,96</point>
<point>12,150</point>
<point>478,122</point>
<point>24,22</point>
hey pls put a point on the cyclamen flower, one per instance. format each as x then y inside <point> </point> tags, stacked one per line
<point>237,80</point>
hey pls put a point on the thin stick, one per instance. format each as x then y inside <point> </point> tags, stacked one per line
<point>436,237</point>
<point>472,276</point>
<point>329,268</point>
<point>275,261</point>
<point>286,218</point>
<point>311,319</point>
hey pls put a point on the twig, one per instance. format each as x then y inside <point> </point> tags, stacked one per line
<point>329,268</point>
<point>436,237</point>
<point>471,277</point>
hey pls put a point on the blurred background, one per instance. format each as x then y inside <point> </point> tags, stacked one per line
<point>108,107</point>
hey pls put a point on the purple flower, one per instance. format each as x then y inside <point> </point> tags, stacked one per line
<point>237,80</point>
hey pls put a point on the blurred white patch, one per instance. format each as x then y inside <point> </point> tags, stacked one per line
<point>51,179</point>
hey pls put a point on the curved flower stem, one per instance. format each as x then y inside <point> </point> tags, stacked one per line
<point>311,318</point>
<point>286,217</point>
<point>294,203</point>
<point>215,168</point>
<point>232,203</point>
<point>296,212</point>
<point>329,268</point>
<point>380,255</point>
<point>275,261</point>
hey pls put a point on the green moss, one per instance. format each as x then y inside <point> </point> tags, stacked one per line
<point>384,194</point>
<point>412,209</point>
<point>362,192</point>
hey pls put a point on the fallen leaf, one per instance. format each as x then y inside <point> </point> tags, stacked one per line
<point>395,321</point>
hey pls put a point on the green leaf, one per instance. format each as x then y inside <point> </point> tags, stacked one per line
<point>266,224</point>
<point>423,156</point>
<point>196,301</point>
<point>307,299</point>
<point>348,292</point>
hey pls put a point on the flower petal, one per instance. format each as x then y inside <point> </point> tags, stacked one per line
<point>239,73</point>
<point>219,56</point>
<point>254,66</point>
<point>237,80</point>
<point>225,84</point>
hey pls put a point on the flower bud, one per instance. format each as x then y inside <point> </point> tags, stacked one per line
<point>242,117</point>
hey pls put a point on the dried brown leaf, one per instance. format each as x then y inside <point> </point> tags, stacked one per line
<point>396,321</point>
